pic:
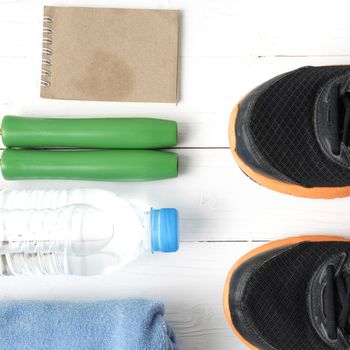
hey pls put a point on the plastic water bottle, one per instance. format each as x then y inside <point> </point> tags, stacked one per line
<point>78,232</point>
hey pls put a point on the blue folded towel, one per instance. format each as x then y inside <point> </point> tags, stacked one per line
<point>127,324</point>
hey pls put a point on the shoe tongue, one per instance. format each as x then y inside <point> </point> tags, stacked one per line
<point>329,121</point>
<point>316,302</point>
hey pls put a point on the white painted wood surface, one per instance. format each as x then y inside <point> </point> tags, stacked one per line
<point>228,47</point>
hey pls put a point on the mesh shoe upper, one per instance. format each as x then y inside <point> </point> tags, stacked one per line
<point>281,129</point>
<point>274,293</point>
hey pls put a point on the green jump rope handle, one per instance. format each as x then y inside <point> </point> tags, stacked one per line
<point>127,133</point>
<point>103,165</point>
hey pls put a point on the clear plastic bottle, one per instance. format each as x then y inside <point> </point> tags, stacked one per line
<point>79,232</point>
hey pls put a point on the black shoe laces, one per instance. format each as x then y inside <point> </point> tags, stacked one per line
<point>337,302</point>
<point>340,127</point>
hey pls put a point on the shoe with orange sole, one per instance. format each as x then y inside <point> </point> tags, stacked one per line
<point>292,294</point>
<point>292,133</point>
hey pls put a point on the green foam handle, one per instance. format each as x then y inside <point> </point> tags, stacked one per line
<point>113,133</point>
<point>103,165</point>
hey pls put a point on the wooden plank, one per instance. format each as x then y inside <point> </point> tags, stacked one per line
<point>190,283</point>
<point>217,202</point>
<point>221,27</point>
<point>204,109</point>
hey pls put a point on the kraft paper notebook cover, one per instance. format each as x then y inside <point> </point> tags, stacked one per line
<point>103,54</point>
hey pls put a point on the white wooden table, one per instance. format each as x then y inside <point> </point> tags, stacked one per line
<point>228,47</point>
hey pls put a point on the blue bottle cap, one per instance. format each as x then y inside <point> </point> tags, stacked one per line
<point>164,230</point>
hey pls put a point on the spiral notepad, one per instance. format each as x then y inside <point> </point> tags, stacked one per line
<point>103,54</point>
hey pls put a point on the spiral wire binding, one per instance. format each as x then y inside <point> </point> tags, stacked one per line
<point>46,51</point>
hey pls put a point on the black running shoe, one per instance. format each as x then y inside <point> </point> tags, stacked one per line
<point>292,294</point>
<point>292,133</point>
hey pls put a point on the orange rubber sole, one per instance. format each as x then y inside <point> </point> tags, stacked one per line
<point>263,249</point>
<point>299,191</point>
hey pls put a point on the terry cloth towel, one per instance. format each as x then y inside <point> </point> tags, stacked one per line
<point>126,324</point>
